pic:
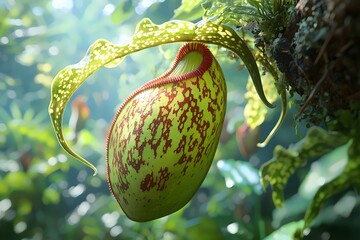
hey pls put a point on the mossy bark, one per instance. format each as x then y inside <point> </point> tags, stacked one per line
<point>320,57</point>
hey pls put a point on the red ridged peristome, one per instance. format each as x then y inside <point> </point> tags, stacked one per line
<point>164,136</point>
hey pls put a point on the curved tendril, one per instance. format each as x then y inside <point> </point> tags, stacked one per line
<point>280,120</point>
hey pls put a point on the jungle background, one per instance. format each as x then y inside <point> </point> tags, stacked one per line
<point>46,194</point>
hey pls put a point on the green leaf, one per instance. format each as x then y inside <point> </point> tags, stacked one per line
<point>323,171</point>
<point>350,175</point>
<point>230,11</point>
<point>240,174</point>
<point>122,12</point>
<point>147,34</point>
<point>189,9</point>
<point>277,171</point>
<point>286,231</point>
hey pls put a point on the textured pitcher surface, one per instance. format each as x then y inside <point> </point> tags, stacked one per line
<point>164,136</point>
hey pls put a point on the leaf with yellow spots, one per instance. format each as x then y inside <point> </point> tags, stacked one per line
<point>349,175</point>
<point>277,171</point>
<point>147,34</point>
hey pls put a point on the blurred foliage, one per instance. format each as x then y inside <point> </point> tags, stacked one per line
<point>189,10</point>
<point>45,194</point>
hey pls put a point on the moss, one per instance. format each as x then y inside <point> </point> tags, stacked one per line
<point>320,59</point>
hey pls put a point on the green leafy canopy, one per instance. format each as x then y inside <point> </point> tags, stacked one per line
<point>147,34</point>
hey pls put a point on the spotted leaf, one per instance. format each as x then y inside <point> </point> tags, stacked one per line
<point>350,175</point>
<point>147,34</point>
<point>277,171</point>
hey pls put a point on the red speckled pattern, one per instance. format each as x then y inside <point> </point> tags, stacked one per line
<point>164,137</point>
